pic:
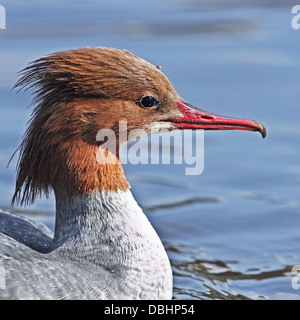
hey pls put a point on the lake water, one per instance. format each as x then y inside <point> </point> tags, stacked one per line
<point>232,232</point>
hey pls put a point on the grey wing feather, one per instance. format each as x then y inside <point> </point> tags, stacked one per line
<point>30,270</point>
<point>31,233</point>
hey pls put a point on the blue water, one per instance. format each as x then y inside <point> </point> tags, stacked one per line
<point>232,232</point>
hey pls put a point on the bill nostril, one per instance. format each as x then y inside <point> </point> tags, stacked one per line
<point>205,117</point>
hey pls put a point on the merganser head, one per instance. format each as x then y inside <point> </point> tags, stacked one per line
<point>77,93</point>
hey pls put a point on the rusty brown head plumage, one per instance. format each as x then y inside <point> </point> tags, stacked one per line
<point>76,93</point>
<point>79,92</point>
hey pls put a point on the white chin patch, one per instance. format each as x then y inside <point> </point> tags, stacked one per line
<point>159,127</point>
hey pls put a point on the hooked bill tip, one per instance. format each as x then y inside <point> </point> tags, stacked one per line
<point>261,128</point>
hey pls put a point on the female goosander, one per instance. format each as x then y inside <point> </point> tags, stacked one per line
<point>103,245</point>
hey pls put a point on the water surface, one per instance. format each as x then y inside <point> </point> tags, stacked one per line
<point>232,232</point>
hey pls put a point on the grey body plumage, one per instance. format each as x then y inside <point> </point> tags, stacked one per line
<point>103,248</point>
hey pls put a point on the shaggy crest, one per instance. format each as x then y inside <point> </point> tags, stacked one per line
<point>70,90</point>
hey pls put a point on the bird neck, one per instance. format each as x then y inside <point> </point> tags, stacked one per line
<point>107,229</point>
<point>83,168</point>
<point>98,216</point>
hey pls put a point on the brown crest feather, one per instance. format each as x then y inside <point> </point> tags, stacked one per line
<point>73,91</point>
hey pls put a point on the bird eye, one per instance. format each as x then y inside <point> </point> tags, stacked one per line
<point>147,102</point>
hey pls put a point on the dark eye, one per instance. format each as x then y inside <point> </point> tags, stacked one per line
<point>147,102</point>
